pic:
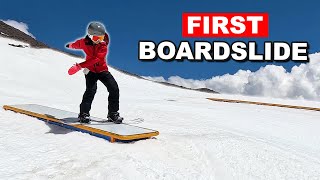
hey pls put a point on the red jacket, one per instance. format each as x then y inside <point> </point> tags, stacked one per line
<point>95,53</point>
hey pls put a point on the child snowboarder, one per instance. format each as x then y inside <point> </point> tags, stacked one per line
<point>95,46</point>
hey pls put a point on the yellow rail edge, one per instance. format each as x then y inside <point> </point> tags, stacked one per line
<point>264,104</point>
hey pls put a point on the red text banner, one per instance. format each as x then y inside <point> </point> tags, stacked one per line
<point>241,25</point>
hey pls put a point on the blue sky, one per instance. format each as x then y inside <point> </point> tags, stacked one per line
<point>58,22</point>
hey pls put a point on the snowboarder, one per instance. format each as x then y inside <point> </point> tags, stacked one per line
<point>95,46</point>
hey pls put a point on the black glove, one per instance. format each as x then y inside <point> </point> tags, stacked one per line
<point>67,46</point>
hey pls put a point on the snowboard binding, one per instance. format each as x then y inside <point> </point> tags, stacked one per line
<point>84,118</point>
<point>115,117</point>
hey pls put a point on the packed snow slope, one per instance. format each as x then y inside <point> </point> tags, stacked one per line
<point>199,139</point>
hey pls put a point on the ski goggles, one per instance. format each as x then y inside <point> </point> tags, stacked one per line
<point>96,38</point>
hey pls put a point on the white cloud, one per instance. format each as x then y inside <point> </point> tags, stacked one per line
<point>18,25</point>
<point>158,79</point>
<point>301,81</point>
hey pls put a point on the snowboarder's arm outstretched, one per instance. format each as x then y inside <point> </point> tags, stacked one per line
<point>75,45</point>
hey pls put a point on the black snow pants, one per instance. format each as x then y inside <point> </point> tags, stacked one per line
<point>91,88</point>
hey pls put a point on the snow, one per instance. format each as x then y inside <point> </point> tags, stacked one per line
<point>4,34</point>
<point>199,139</point>
<point>19,25</point>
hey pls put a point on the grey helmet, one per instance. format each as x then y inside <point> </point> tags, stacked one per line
<point>96,29</point>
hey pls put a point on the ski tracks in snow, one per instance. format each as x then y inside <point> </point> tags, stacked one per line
<point>243,157</point>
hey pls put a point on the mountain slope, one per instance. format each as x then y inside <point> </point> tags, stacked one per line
<point>9,31</point>
<point>199,139</point>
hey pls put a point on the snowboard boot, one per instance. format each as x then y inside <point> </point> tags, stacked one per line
<point>115,117</point>
<point>84,118</point>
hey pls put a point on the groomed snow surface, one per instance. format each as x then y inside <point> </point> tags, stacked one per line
<point>199,139</point>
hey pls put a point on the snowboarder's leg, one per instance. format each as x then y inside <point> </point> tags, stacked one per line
<point>107,79</point>
<point>113,100</point>
<point>91,89</point>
